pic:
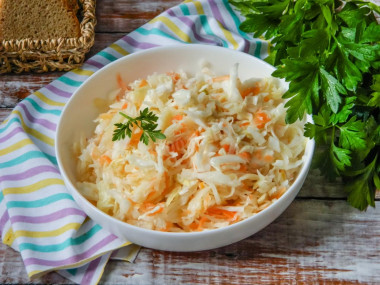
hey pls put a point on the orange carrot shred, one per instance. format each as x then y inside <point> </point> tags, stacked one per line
<point>175,76</point>
<point>167,228</point>
<point>245,155</point>
<point>177,145</point>
<point>124,106</point>
<point>135,138</point>
<point>261,119</point>
<point>159,210</point>
<point>220,78</point>
<point>178,117</point>
<point>220,213</point>
<point>131,201</point>
<point>147,206</point>
<point>250,90</point>
<point>167,184</point>
<point>120,82</point>
<point>243,168</point>
<point>143,83</point>
<point>268,158</point>
<point>193,226</point>
<point>245,124</point>
<point>105,159</point>
<point>279,193</point>
<point>201,223</point>
<point>150,195</point>
<point>226,147</point>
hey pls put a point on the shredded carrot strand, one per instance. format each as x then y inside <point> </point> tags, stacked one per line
<point>226,147</point>
<point>245,124</point>
<point>193,226</point>
<point>201,223</point>
<point>279,193</point>
<point>178,117</point>
<point>245,155</point>
<point>159,210</point>
<point>261,119</point>
<point>167,228</point>
<point>243,168</point>
<point>220,213</point>
<point>177,145</point>
<point>167,184</point>
<point>143,83</point>
<point>104,159</point>
<point>250,90</point>
<point>175,76</point>
<point>135,138</point>
<point>131,201</point>
<point>220,78</point>
<point>147,206</point>
<point>119,95</point>
<point>268,158</point>
<point>121,83</point>
<point>124,106</point>
<point>150,195</point>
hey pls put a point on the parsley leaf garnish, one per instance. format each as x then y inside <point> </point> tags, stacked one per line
<point>146,121</point>
<point>352,135</point>
<point>329,52</point>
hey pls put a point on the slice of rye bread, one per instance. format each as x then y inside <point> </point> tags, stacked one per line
<point>38,19</point>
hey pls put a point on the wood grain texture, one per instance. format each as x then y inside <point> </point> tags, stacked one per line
<point>4,113</point>
<point>313,242</point>
<point>127,15</point>
<point>15,87</point>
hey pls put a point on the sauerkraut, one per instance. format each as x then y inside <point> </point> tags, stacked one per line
<point>228,153</point>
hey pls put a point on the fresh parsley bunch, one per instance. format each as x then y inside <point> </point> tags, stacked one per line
<point>329,52</point>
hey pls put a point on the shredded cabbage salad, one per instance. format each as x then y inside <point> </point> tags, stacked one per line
<point>228,153</point>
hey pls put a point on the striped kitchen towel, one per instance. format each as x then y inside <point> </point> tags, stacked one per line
<point>38,217</point>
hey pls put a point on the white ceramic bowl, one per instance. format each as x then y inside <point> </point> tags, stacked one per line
<point>80,112</point>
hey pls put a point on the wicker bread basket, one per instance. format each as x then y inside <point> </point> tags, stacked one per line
<point>60,54</point>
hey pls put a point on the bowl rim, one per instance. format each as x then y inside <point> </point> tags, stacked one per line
<point>307,156</point>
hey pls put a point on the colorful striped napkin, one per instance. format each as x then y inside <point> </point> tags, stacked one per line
<point>38,217</point>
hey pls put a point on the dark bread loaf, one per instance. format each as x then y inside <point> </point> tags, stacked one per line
<point>38,19</point>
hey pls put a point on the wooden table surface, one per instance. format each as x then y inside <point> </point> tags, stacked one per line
<point>318,239</point>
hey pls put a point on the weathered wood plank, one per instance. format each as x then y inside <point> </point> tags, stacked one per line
<point>127,15</point>
<point>314,241</point>
<point>4,113</point>
<point>15,87</point>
